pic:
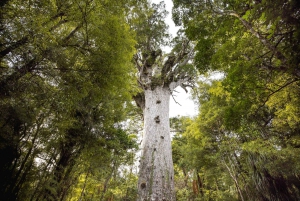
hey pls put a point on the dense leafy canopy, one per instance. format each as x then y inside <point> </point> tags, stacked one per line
<point>244,145</point>
<point>65,79</point>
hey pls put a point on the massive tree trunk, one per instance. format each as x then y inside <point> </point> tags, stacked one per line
<point>158,75</point>
<point>156,176</point>
<point>158,78</point>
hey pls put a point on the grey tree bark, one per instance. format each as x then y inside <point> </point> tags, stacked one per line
<point>156,176</point>
<point>157,79</point>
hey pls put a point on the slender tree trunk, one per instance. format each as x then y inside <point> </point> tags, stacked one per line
<point>42,181</point>
<point>235,179</point>
<point>186,177</point>
<point>156,176</point>
<point>82,194</point>
<point>115,166</point>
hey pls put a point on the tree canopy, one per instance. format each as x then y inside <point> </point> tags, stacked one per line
<point>65,80</point>
<point>246,134</point>
<point>70,70</point>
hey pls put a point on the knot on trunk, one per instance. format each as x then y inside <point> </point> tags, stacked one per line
<point>143,185</point>
<point>157,120</point>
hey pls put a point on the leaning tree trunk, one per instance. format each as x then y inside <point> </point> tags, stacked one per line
<point>156,176</point>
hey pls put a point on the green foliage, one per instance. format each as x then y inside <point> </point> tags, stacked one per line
<point>237,148</point>
<point>147,20</point>
<point>66,75</point>
<point>248,124</point>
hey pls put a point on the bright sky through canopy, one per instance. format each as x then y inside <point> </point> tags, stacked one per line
<point>187,106</point>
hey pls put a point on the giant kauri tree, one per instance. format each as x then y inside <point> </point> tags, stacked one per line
<point>158,75</point>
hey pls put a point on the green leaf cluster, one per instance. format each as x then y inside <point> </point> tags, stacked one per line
<point>237,148</point>
<point>66,78</point>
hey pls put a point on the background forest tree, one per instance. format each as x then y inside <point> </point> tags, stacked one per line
<point>244,145</point>
<point>65,79</point>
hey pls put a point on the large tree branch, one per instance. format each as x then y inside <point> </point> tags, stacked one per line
<point>262,39</point>
<point>273,48</point>
<point>184,51</point>
<point>174,61</point>
<point>276,91</point>
<point>145,64</point>
<point>72,33</point>
<point>13,46</point>
<point>178,76</point>
<point>171,73</point>
<point>15,76</point>
<point>25,39</point>
<point>29,66</point>
<point>179,82</point>
<point>188,58</point>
